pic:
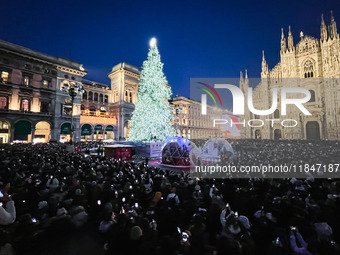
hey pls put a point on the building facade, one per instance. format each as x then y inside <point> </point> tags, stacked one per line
<point>313,64</point>
<point>96,120</point>
<point>191,124</point>
<point>34,106</point>
<point>124,87</point>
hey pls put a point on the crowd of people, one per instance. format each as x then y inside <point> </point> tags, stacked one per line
<point>135,208</point>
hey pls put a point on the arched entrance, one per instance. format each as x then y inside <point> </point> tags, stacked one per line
<point>257,134</point>
<point>65,132</point>
<point>86,132</point>
<point>98,132</point>
<point>4,131</point>
<point>312,130</point>
<point>277,134</point>
<point>109,133</point>
<point>22,132</point>
<point>42,132</point>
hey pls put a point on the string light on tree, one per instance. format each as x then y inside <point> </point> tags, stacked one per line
<point>151,119</point>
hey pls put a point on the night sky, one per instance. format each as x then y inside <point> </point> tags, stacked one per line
<point>195,38</point>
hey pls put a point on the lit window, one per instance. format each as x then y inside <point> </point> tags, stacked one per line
<point>26,80</point>
<point>67,109</point>
<point>3,102</point>
<point>45,83</point>
<point>25,105</point>
<point>4,77</point>
<point>4,125</point>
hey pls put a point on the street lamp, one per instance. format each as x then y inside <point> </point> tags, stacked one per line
<point>73,90</point>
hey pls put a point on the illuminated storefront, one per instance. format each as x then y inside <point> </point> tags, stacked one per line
<point>42,132</point>
<point>98,132</point>
<point>109,134</point>
<point>65,132</point>
<point>96,127</point>
<point>4,131</point>
<point>86,132</point>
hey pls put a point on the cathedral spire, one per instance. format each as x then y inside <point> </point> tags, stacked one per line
<point>246,81</point>
<point>241,77</point>
<point>263,58</point>
<point>290,40</point>
<point>332,17</point>
<point>332,28</point>
<point>323,29</point>
<point>283,42</point>
<point>264,66</point>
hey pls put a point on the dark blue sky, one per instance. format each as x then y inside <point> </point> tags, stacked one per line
<point>195,38</point>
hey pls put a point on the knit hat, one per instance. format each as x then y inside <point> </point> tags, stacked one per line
<point>135,233</point>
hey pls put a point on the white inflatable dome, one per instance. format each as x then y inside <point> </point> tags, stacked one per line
<point>216,150</point>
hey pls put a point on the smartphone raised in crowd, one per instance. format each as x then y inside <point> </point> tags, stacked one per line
<point>185,236</point>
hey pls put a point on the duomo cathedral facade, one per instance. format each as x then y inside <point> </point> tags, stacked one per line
<point>313,64</point>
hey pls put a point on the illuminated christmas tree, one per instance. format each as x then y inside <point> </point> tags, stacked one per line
<point>151,119</point>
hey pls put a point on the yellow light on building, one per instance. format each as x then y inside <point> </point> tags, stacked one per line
<point>97,120</point>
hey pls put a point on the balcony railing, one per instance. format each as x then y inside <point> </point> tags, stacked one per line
<point>97,114</point>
